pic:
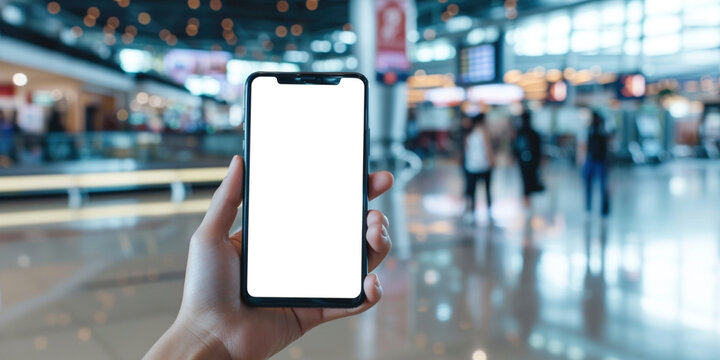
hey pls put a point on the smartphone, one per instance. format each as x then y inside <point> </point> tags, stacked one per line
<point>305,199</point>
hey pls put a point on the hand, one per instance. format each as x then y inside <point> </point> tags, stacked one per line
<point>214,323</point>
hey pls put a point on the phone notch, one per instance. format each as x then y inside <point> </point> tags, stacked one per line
<point>307,78</point>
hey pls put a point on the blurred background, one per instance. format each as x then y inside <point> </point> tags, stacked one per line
<point>118,118</point>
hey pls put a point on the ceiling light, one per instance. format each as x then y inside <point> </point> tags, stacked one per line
<point>297,56</point>
<point>340,47</point>
<point>429,34</point>
<point>94,12</point>
<point>348,37</point>
<point>20,79</point>
<point>13,15</point>
<point>131,29</point>
<point>351,63</point>
<point>76,31</point>
<point>113,21</point>
<point>53,7</point>
<point>321,46</point>
<point>460,23</point>
<point>475,36</point>
<point>144,18</point>
<point>89,21</point>
<point>413,36</point>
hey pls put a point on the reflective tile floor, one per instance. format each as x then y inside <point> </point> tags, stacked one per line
<point>104,281</point>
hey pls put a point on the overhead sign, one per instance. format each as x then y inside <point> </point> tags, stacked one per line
<point>495,94</point>
<point>391,59</point>
<point>479,64</point>
<point>181,64</point>
<point>445,96</point>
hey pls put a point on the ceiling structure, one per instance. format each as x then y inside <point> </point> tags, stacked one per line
<point>250,19</point>
<point>247,28</point>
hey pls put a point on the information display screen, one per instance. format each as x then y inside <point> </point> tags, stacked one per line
<point>478,64</point>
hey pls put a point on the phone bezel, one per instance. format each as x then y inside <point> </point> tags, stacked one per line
<point>319,79</point>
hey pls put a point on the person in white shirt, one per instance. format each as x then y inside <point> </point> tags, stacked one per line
<point>477,164</point>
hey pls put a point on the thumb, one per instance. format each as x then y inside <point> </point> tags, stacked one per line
<point>223,207</point>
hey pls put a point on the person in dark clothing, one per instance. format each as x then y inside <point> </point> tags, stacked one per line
<point>7,142</point>
<point>527,148</point>
<point>596,163</point>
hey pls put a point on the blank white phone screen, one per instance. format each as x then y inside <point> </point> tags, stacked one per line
<point>305,200</point>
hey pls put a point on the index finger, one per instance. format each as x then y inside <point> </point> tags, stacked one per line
<point>378,183</point>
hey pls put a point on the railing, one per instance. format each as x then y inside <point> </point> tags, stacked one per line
<point>77,164</point>
<point>23,150</point>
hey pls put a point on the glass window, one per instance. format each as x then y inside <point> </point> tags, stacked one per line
<point>534,29</point>
<point>634,11</point>
<point>653,7</point>
<point>702,16</point>
<point>661,45</point>
<point>530,48</point>
<point>613,13</point>
<point>558,45</point>
<point>584,41</point>
<point>611,37</point>
<point>632,47</point>
<point>633,31</point>
<point>586,18</point>
<point>491,34</point>
<point>616,50</point>
<point>558,25</point>
<point>659,25</point>
<point>510,36</point>
<point>694,39</point>
<point>530,38</point>
<point>691,3</point>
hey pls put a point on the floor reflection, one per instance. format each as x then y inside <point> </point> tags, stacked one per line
<point>547,284</point>
<point>593,303</point>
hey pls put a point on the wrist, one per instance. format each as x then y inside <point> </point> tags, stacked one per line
<point>185,340</point>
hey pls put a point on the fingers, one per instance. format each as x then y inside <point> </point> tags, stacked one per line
<point>380,244</point>
<point>378,238</point>
<point>236,241</point>
<point>378,183</point>
<point>373,293</point>
<point>223,207</point>
<point>377,217</point>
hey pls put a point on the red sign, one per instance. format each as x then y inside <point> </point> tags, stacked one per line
<point>7,90</point>
<point>390,36</point>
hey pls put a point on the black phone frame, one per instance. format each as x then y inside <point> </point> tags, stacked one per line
<point>318,78</point>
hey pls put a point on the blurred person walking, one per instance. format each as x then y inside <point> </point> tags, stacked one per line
<point>597,163</point>
<point>477,163</point>
<point>528,152</point>
<point>7,140</point>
